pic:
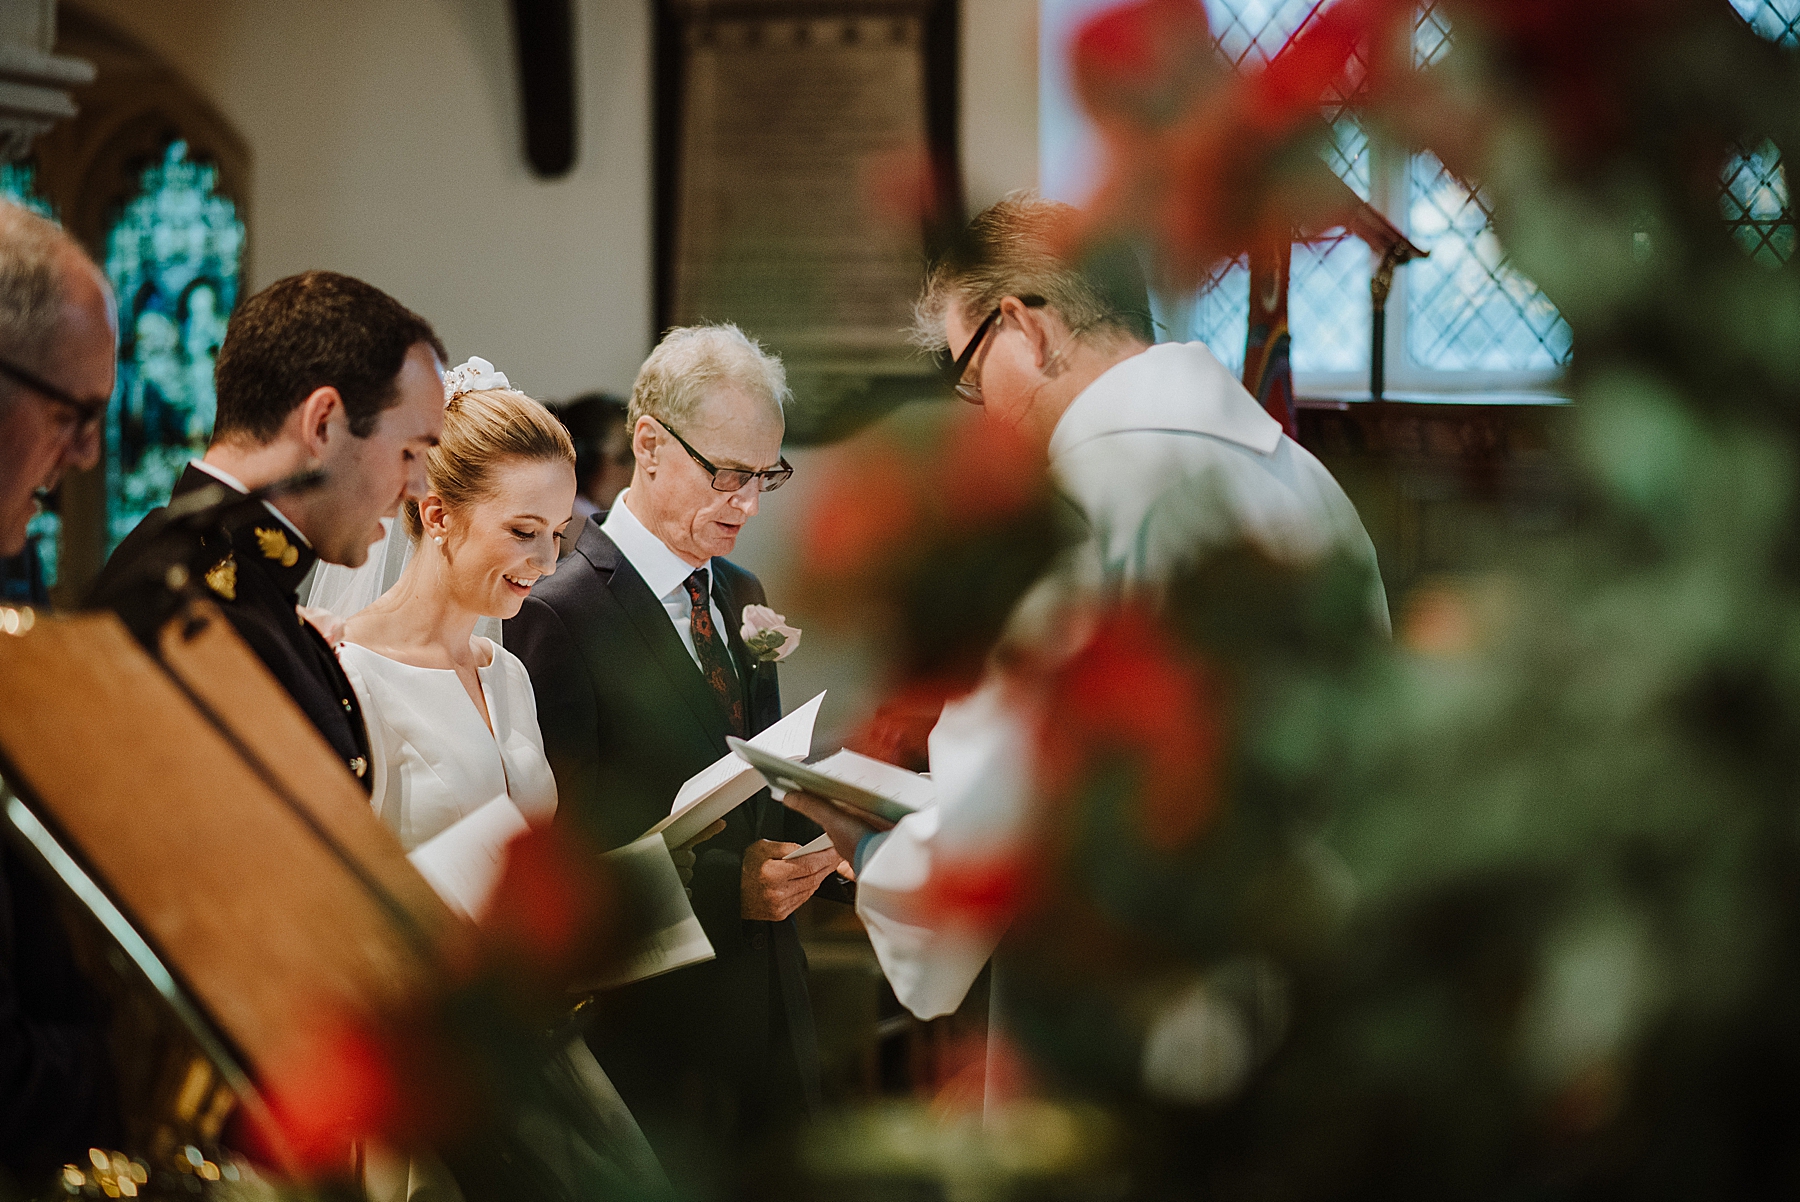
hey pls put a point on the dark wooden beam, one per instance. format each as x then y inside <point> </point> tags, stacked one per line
<point>544,35</point>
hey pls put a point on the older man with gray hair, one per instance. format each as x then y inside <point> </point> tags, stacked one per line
<point>58,345</point>
<point>640,672</point>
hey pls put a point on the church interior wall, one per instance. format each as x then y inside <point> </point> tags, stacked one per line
<point>383,140</point>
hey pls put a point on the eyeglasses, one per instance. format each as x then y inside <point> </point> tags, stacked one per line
<point>731,479</point>
<point>88,414</point>
<point>954,371</point>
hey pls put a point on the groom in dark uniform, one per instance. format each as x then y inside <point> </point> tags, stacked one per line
<point>318,372</point>
<point>640,673</point>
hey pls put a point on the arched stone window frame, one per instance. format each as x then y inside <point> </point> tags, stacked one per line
<point>88,167</point>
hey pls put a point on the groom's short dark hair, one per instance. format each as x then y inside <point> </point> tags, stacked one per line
<point>307,332</point>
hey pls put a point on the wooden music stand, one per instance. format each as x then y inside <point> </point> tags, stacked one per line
<point>218,835</point>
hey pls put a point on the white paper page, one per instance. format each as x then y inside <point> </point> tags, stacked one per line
<point>464,861</point>
<point>819,844</point>
<point>728,782</point>
<point>674,938</point>
<point>790,738</point>
<point>910,789</point>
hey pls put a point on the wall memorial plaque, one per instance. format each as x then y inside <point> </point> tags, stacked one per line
<point>795,190</point>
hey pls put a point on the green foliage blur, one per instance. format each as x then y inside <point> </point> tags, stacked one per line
<point>1509,907</point>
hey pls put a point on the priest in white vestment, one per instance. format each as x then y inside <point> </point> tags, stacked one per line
<point>1166,455</point>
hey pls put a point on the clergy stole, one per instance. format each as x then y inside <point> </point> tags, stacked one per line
<point>1268,371</point>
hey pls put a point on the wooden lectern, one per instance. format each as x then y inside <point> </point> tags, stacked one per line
<point>193,809</point>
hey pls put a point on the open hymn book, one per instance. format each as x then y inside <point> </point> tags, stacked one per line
<point>729,782</point>
<point>853,782</point>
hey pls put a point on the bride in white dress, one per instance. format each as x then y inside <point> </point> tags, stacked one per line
<point>456,755</point>
<point>452,718</point>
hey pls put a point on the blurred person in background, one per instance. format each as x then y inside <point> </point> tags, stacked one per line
<point>603,456</point>
<point>58,351</point>
<point>1166,455</point>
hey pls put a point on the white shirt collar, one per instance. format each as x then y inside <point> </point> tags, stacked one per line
<point>1171,386</point>
<point>662,569</point>
<point>230,481</point>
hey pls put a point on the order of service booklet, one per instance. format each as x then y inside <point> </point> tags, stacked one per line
<point>465,862</point>
<point>729,782</point>
<point>670,936</point>
<point>855,782</point>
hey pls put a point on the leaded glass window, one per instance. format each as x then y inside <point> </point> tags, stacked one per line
<point>18,183</point>
<point>1754,200</point>
<point>1777,20</point>
<point>1220,313</point>
<point>1465,316</point>
<point>173,255</point>
<point>1753,194</point>
<point>1328,283</point>
<point>1467,307</point>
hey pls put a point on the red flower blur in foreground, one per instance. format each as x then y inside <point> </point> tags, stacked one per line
<point>1199,156</point>
<point>1577,59</point>
<point>971,1074</point>
<point>905,188</point>
<point>985,893</point>
<point>1135,691</point>
<point>899,730</point>
<point>865,513</point>
<point>336,1085</point>
<point>989,473</point>
<point>554,906</point>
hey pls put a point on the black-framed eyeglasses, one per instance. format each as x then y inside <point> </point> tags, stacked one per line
<point>731,479</point>
<point>88,414</point>
<point>955,370</point>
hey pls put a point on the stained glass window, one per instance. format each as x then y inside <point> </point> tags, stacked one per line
<point>173,255</point>
<point>18,183</point>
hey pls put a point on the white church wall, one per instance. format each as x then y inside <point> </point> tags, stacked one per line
<point>385,142</point>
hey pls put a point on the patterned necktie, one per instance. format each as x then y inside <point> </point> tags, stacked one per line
<point>715,657</point>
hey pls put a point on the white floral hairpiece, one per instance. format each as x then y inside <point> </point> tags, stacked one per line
<point>476,375</point>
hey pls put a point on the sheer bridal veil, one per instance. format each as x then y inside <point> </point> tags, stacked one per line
<point>347,591</point>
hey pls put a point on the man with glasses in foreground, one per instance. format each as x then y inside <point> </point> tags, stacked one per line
<point>58,347</point>
<point>640,671</point>
<point>1166,455</point>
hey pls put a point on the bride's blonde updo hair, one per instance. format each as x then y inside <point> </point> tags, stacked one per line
<point>483,428</point>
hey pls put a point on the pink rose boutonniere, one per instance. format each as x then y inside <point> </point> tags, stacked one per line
<point>767,636</point>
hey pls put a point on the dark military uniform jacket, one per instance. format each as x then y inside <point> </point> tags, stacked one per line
<point>254,565</point>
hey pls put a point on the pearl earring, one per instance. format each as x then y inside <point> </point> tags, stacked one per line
<point>438,539</point>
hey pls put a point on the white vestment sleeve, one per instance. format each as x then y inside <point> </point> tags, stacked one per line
<point>980,768</point>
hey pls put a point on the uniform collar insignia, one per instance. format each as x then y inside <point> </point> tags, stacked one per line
<point>275,545</point>
<point>221,578</point>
